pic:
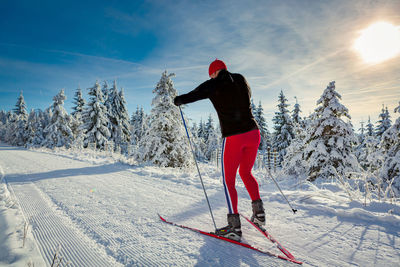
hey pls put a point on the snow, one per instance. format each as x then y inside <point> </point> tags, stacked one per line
<point>13,251</point>
<point>101,208</point>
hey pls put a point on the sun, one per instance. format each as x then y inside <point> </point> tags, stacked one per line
<point>379,42</point>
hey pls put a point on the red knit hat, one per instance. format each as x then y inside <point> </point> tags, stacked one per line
<point>216,65</point>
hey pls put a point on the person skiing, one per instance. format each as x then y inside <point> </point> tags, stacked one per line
<point>230,95</point>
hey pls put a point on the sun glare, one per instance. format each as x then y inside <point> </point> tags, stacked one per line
<point>379,42</point>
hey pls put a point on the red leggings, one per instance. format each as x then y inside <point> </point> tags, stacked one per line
<point>239,151</point>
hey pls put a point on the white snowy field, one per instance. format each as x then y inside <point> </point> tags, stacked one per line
<point>101,210</point>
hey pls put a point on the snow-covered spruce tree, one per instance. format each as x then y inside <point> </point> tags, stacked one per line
<point>20,136</point>
<point>252,106</point>
<point>201,133</point>
<point>370,127</point>
<point>3,116</point>
<point>294,162</point>
<point>371,157</point>
<point>296,119</point>
<point>368,152</point>
<point>198,143</point>
<point>11,128</point>
<point>164,142</point>
<point>58,132</point>
<point>3,122</point>
<point>212,140</point>
<point>118,118</point>
<point>330,140</point>
<point>20,108</point>
<point>121,135</point>
<point>359,150</point>
<point>111,120</point>
<point>208,128</point>
<point>201,143</point>
<point>390,143</point>
<point>258,114</point>
<point>283,127</point>
<point>362,131</point>
<point>105,90</point>
<point>384,123</point>
<point>95,121</point>
<point>17,131</point>
<point>79,104</point>
<point>137,125</point>
<point>34,130</point>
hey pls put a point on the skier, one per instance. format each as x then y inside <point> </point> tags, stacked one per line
<point>230,94</point>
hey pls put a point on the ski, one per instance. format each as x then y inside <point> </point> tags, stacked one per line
<point>269,236</point>
<point>231,241</point>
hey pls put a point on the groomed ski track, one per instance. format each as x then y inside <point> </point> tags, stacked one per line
<point>104,213</point>
<point>119,226</point>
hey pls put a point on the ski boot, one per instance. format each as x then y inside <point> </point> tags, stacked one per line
<point>233,230</point>
<point>258,217</point>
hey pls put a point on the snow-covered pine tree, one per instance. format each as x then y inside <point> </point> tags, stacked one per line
<point>384,123</point>
<point>296,113</point>
<point>20,108</point>
<point>77,114</point>
<point>258,114</point>
<point>105,90</point>
<point>31,127</point>
<point>20,134</point>
<point>360,148</point>
<point>38,122</point>
<point>58,132</point>
<point>201,144</point>
<point>198,143</point>
<point>283,127</point>
<point>208,127</point>
<point>17,131</point>
<point>390,143</point>
<point>252,106</point>
<point>3,122</point>
<point>330,140</point>
<point>294,162</point>
<point>372,158</point>
<point>370,127</point>
<point>368,153</point>
<point>95,121</point>
<point>164,142</point>
<point>212,140</point>
<point>79,104</point>
<point>362,131</point>
<point>138,125</point>
<point>109,104</point>
<point>118,118</point>
<point>46,116</point>
<point>3,116</point>
<point>11,128</point>
<point>201,133</point>
<point>121,134</point>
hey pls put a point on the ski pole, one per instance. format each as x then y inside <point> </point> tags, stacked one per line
<point>268,172</point>
<point>197,166</point>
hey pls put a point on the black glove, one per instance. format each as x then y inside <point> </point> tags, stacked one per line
<point>177,101</point>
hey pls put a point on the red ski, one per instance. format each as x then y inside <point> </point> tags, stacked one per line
<point>232,241</point>
<point>273,240</point>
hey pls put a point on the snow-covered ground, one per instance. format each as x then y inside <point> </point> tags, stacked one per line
<point>101,210</point>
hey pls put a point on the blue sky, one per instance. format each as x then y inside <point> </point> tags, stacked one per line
<point>294,46</point>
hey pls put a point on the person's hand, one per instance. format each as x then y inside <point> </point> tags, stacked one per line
<point>177,101</point>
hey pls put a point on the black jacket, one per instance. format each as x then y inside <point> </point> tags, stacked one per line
<point>230,95</point>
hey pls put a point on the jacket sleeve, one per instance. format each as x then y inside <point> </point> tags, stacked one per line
<point>202,91</point>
